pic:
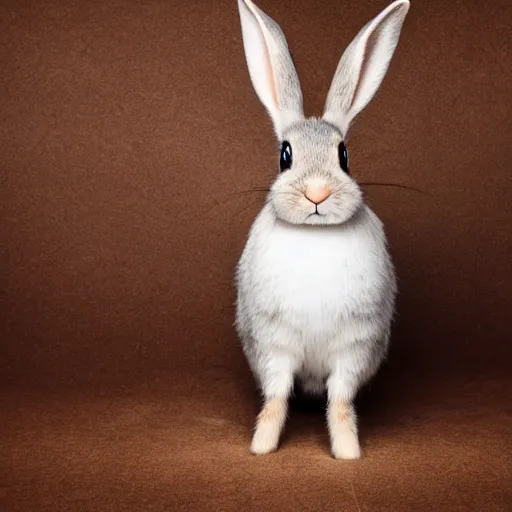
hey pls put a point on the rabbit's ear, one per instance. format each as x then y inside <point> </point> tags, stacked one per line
<point>363,66</point>
<point>271,68</point>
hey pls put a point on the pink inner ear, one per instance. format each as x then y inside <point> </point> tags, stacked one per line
<point>270,71</point>
<point>272,85</point>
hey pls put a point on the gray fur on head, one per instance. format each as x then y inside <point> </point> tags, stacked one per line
<point>315,156</point>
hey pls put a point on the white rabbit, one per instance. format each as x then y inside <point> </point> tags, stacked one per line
<point>316,285</point>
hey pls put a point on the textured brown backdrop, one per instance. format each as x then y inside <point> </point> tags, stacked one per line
<point>126,130</point>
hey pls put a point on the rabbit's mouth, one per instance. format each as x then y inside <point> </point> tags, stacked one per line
<point>297,206</point>
<point>323,219</point>
<point>314,215</point>
<point>321,215</point>
<point>316,212</point>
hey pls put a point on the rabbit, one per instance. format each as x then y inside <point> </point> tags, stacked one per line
<point>315,283</point>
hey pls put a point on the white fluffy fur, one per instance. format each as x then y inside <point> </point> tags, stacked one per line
<point>316,288</point>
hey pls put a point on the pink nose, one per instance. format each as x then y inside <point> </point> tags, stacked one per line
<point>317,193</point>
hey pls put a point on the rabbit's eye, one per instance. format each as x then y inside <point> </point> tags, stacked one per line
<point>285,161</point>
<point>343,155</point>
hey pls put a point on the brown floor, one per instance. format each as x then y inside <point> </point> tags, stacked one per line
<point>126,127</point>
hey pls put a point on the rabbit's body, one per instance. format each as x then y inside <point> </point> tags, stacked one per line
<point>316,286</point>
<point>316,294</point>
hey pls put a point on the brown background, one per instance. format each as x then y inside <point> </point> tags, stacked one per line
<point>127,131</point>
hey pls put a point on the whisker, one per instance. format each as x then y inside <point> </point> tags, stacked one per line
<point>250,205</point>
<point>249,191</point>
<point>397,185</point>
<point>222,201</point>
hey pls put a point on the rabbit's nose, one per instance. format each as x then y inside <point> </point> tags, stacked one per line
<point>317,192</point>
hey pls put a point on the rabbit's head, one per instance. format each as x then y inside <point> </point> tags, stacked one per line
<point>314,185</point>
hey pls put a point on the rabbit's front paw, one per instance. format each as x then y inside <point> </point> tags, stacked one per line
<point>265,439</point>
<point>343,430</point>
<point>346,447</point>
<point>268,429</point>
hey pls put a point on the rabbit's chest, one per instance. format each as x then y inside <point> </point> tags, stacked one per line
<point>315,277</point>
